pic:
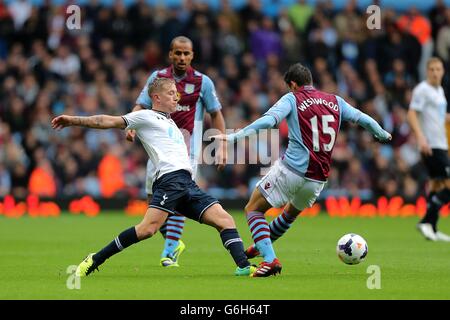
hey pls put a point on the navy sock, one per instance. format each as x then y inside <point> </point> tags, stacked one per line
<point>233,243</point>
<point>440,199</point>
<point>431,213</point>
<point>443,197</point>
<point>124,240</point>
<point>435,202</point>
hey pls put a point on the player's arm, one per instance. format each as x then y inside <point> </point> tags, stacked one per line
<point>213,107</point>
<point>417,105</point>
<point>351,114</point>
<point>270,119</point>
<point>95,122</point>
<point>218,122</point>
<point>413,121</point>
<point>265,122</point>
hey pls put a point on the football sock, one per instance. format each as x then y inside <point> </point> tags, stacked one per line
<point>430,214</point>
<point>124,240</point>
<point>435,202</point>
<point>174,229</point>
<point>233,243</point>
<point>280,225</point>
<point>261,235</point>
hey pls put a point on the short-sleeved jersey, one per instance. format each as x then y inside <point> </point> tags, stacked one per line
<point>313,119</point>
<point>431,104</point>
<point>197,94</point>
<point>162,140</point>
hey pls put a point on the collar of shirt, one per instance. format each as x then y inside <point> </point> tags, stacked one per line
<point>165,114</point>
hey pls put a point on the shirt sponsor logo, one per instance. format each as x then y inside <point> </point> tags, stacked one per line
<point>183,108</point>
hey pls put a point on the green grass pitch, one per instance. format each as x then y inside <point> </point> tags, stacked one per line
<point>35,254</point>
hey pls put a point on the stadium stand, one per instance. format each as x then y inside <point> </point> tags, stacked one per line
<point>46,70</point>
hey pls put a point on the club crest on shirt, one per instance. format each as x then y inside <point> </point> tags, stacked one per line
<point>267,185</point>
<point>189,88</point>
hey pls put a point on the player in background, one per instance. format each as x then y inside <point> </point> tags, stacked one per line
<point>296,180</point>
<point>427,116</point>
<point>197,95</point>
<point>173,190</point>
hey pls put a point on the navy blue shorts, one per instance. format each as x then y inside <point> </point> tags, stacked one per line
<point>177,193</point>
<point>438,164</point>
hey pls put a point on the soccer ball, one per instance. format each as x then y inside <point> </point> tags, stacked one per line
<point>351,248</point>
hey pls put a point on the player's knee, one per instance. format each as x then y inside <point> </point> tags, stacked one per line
<point>145,231</point>
<point>223,219</point>
<point>227,221</point>
<point>249,207</point>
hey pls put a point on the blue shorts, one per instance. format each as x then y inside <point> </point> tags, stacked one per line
<point>176,193</point>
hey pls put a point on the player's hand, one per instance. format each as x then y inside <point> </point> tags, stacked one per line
<point>221,155</point>
<point>385,136</point>
<point>61,122</point>
<point>424,148</point>
<point>130,135</point>
<point>219,137</point>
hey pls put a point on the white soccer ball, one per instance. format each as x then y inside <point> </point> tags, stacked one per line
<point>352,248</point>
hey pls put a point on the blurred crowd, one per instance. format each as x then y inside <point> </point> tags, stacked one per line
<point>47,69</point>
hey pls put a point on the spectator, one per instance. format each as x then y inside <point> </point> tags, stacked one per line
<point>443,40</point>
<point>65,63</point>
<point>300,13</point>
<point>110,173</point>
<point>42,182</point>
<point>265,42</point>
<point>20,11</point>
<point>418,26</point>
<point>5,181</point>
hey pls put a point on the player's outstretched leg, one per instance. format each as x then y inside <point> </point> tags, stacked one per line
<point>278,228</point>
<point>217,217</point>
<point>152,221</point>
<point>260,231</point>
<point>94,260</point>
<point>172,231</point>
<point>261,236</point>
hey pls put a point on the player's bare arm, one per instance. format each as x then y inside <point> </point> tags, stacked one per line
<point>415,126</point>
<point>218,122</point>
<point>95,122</point>
<point>130,134</point>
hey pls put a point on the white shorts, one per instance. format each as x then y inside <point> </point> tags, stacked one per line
<point>150,175</point>
<point>281,185</point>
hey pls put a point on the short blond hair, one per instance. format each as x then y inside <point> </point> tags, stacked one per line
<point>433,60</point>
<point>159,84</point>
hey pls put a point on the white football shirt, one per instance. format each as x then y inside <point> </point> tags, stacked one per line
<point>431,105</point>
<point>162,140</point>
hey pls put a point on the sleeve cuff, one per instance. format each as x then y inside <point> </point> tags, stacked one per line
<point>126,121</point>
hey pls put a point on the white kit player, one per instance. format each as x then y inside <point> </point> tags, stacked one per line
<point>197,95</point>
<point>427,116</point>
<point>174,191</point>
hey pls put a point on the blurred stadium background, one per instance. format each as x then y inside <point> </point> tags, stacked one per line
<point>245,47</point>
